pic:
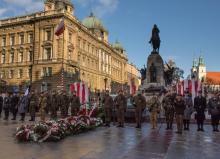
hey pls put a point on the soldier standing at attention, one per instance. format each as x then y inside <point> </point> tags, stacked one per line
<point>33,106</point>
<point>154,109</point>
<point>6,105</point>
<point>54,105</point>
<point>108,106</point>
<point>14,105</point>
<point>140,105</point>
<point>168,106</point>
<point>180,106</point>
<point>200,106</point>
<point>75,104</point>
<point>121,106</point>
<point>1,104</point>
<point>188,111</point>
<point>214,110</point>
<point>43,105</point>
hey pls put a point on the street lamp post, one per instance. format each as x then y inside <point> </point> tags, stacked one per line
<point>105,80</point>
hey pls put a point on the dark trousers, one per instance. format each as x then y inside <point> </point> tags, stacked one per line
<point>0,110</point>
<point>6,113</point>
<point>186,124</point>
<point>22,116</point>
<point>200,123</point>
<point>215,122</point>
<point>14,113</point>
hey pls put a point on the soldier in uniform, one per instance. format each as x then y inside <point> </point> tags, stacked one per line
<point>54,105</point>
<point>6,105</point>
<point>154,109</point>
<point>14,105</point>
<point>121,106</point>
<point>64,104</point>
<point>200,106</point>
<point>168,106</point>
<point>188,111</point>
<point>75,104</point>
<point>214,110</point>
<point>180,106</point>
<point>43,105</point>
<point>140,105</point>
<point>33,105</point>
<point>108,106</point>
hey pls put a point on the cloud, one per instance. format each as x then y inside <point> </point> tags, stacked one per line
<point>25,5</point>
<point>2,11</point>
<point>100,7</point>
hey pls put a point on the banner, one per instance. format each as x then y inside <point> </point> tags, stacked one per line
<point>82,91</point>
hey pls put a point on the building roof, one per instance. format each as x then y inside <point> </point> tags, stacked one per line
<point>213,78</point>
<point>92,22</point>
<point>117,45</point>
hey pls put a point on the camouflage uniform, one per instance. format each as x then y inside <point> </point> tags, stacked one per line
<point>54,106</point>
<point>108,106</point>
<point>121,106</point>
<point>33,105</point>
<point>214,110</point>
<point>140,105</point>
<point>154,108</point>
<point>75,105</point>
<point>43,106</point>
<point>168,106</point>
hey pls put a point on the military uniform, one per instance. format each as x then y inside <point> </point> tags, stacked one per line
<point>140,105</point>
<point>154,109</point>
<point>43,106</point>
<point>187,112</point>
<point>14,106</point>
<point>108,106</point>
<point>1,104</point>
<point>168,106</point>
<point>200,106</point>
<point>54,106</point>
<point>75,105</point>
<point>64,105</point>
<point>121,106</point>
<point>214,110</point>
<point>33,106</point>
<point>179,112</point>
<point>6,106</point>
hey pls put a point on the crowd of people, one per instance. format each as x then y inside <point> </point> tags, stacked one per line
<point>174,106</point>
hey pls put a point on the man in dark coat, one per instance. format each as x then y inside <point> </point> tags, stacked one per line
<point>214,110</point>
<point>22,106</point>
<point>1,104</point>
<point>6,105</point>
<point>33,105</point>
<point>168,106</point>
<point>64,104</point>
<point>140,105</point>
<point>200,106</point>
<point>54,105</point>
<point>75,104</point>
<point>14,105</point>
<point>180,106</point>
<point>108,106</point>
<point>121,106</point>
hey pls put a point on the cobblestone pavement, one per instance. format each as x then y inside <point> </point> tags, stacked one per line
<point>115,143</point>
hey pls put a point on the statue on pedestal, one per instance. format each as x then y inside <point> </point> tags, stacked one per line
<point>155,39</point>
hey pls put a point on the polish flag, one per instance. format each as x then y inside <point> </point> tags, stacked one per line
<point>60,28</point>
<point>82,91</point>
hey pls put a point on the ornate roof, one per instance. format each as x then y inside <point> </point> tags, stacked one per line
<point>117,45</point>
<point>68,2</point>
<point>92,22</point>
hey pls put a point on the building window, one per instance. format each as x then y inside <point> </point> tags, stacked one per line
<point>30,38</point>
<point>48,54</point>
<point>11,60</point>
<point>29,73</point>
<point>20,57</point>
<point>70,54</point>
<point>3,57</point>
<point>29,57</point>
<point>48,35</point>
<point>47,71</point>
<point>21,38</point>
<point>20,73</point>
<point>4,41</point>
<point>11,74</point>
<point>12,40</point>
<point>70,37</point>
<point>2,75</point>
<point>79,43</point>
<point>84,45</point>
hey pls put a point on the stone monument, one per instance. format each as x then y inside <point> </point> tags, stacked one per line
<point>154,81</point>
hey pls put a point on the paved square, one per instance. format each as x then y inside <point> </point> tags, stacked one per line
<point>115,143</point>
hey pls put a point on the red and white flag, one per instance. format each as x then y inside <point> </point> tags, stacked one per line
<point>82,91</point>
<point>60,28</point>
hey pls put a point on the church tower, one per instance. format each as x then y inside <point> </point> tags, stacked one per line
<point>201,69</point>
<point>66,5</point>
<point>194,69</point>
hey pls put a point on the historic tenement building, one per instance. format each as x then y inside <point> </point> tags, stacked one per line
<point>31,53</point>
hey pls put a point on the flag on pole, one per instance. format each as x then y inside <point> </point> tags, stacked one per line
<point>60,28</point>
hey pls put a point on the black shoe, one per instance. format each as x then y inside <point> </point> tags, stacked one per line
<point>138,127</point>
<point>198,129</point>
<point>5,118</point>
<point>202,130</point>
<point>31,120</point>
<point>13,119</point>
<point>167,128</point>
<point>185,129</point>
<point>118,126</point>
